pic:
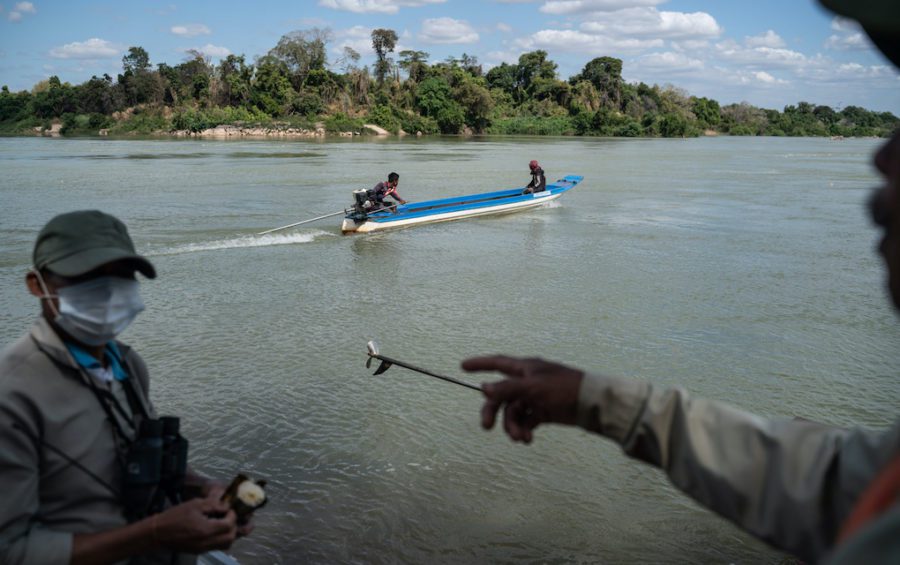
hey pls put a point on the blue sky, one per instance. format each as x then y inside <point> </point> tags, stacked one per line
<point>769,53</point>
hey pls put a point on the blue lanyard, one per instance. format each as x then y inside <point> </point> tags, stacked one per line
<point>88,361</point>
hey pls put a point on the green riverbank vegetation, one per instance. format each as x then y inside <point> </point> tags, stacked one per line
<point>294,88</point>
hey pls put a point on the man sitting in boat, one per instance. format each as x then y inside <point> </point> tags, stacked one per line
<point>382,189</point>
<point>538,180</point>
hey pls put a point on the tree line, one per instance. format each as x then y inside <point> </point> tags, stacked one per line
<point>295,84</point>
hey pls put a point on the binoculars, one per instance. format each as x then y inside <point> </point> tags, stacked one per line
<point>155,467</point>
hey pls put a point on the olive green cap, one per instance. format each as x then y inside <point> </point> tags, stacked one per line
<point>76,243</point>
<point>880,19</point>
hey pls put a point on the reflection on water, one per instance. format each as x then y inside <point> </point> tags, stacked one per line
<point>674,260</point>
<point>187,155</point>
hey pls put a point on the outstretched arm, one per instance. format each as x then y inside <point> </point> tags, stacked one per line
<point>393,194</point>
<point>789,482</point>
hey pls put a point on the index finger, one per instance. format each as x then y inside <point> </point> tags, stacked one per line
<point>510,366</point>
<point>225,523</point>
<point>213,505</point>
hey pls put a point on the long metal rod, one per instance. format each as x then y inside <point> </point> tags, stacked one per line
<point>303,222</point>
<point>425,372</point>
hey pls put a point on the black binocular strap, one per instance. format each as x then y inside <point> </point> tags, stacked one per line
<point>105,403</point>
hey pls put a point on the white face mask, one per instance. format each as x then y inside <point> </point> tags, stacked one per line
<point>96,311</point>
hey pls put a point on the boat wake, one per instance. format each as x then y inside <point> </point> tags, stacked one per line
<point>244,241</point>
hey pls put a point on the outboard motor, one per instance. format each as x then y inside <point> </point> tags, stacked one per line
<point>361,202</point>
<point>361,205</point>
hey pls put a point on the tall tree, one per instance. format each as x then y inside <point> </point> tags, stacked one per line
<point>272,90</point>
<point>476,101</point>
<point>302,51</point>
<point>53,99</point>
<point>235,75</point>
<point>195,75</point>
<point>415,63</point>
<point>136,60</point>
<point>141,84</point>
<point>533,66</point>
<point>707,111</point>
<point>383,42</point>
<point>97,96</point>
<point>605,73</point>
<point>503,76</point>
<point>470,64</point>
<point>348,59</point>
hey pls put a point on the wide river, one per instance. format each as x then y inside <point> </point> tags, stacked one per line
<point>742,269</point>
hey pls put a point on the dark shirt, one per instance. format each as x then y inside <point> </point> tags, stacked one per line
<point>538,181</point>
<point>380,190</point>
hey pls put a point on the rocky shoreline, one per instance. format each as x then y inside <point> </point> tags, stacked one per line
<point>238,131</point>
<point>227,131</point>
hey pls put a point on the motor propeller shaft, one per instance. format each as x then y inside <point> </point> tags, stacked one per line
<point>386,363</point>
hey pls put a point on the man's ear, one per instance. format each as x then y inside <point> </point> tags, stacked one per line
<point>34,287</point>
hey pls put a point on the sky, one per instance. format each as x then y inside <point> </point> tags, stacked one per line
<point>770,53</point>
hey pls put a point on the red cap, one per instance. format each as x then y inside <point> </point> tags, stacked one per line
<point>533,165</point>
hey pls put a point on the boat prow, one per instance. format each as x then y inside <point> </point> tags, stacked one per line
<point>446,209</point>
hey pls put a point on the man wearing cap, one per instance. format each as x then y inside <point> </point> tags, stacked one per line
<point>819,492</point>
<point>538,180</point>
<point>71,400</point>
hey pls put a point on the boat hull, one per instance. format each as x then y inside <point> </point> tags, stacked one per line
<point>502,202</point>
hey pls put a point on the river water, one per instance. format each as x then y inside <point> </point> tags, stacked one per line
<point>740,268</point>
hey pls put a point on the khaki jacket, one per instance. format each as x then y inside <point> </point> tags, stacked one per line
<point>45,405</point>
<point>789,482</point>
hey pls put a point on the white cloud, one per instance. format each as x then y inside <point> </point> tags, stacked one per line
<point>752,57</point>
<point>670,62</point>
<point>494,58</point>
<point>561,7</point>
<point>358,38</point>
<point>690,44</point>
<point>447,31</point>
<point>768,39</point>
<point>93,48</point>
<point>849,36</point>
<point>763,76</point>
<point>843,24</point>
<point>650,22</point>
<point>857,71</point>
<point>378,6</point>
<point>355,32</point>
<point>746,81</point>
<point>19,10</point>
<point>505,28</point>
<point>850,42</point>
<point>190,30</point>
<point>210,50</point>
<point>579,42</point>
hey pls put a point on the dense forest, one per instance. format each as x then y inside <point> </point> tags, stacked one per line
<point>294,85</point>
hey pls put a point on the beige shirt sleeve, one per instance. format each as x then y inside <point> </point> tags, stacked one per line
<point>23,540</point>
<point>789,482</point>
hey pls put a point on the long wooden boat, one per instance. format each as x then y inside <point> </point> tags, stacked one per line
<point>357,220</point>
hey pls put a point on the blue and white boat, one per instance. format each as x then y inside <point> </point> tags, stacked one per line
<point>359,220</point>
